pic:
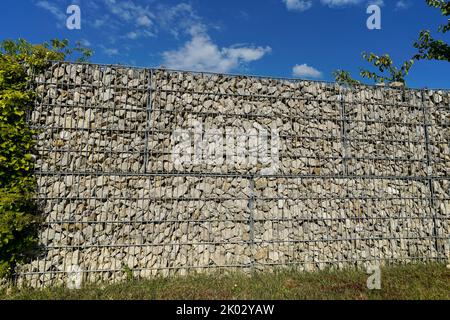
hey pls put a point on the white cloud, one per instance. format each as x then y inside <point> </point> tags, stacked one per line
<point>200,53</point>
<point>85,43</point>
<point>402,5</point>
<point>303,5</point>
<point>132,35</point>
<point>144,21</point>
<point>379,3</point>
<point>98,23</point>
<point>177,19</point>
<point>306,71</point>
<point>125,10</point>
<point>125,21</point>
<point>298,5</point>
<point>129,19</point>
<point>246,54</point>
<point>340,3</point>
<point>132,20</point>
<point>110,51</point>
<point>126,13</point>
<point>54,10</point>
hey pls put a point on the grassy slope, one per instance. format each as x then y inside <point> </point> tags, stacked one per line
<point>430,281</point>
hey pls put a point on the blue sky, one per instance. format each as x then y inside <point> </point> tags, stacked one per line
<point>285,38</point>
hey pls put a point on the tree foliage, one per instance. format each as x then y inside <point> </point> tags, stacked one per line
<point>385,66</point>
<point>343,77</point>
<point>19,217</point>
<point>428,47</point>
<point>385,71</point>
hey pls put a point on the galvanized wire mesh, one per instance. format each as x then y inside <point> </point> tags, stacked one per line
<point>361,174</point>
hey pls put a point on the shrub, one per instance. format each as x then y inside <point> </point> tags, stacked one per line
<point>19,218</point>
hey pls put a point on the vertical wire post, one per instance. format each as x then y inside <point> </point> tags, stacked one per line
<point>429,169</point>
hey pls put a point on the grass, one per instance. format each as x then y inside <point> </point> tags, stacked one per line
<point>418,281</point>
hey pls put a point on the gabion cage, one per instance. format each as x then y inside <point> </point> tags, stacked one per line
<point>154,172</point>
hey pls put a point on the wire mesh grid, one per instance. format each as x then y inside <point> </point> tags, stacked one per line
<point>156,172</point>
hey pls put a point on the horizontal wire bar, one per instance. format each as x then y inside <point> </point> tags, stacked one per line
<point>242,115</point>
<point>241,175</point>
<point>282,155</point>
<point>233,75</point>
<point>248,242</point>
<point>167,199</point>
<point>283,263</point>
<point>296,219</point>
<point>283,96</point>
<point>281,135</point>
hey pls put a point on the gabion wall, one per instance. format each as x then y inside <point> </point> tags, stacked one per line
<point>130,178</point>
